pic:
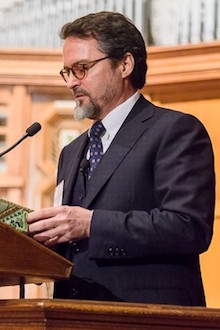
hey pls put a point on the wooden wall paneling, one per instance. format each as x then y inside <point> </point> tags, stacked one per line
<point>208,112</point>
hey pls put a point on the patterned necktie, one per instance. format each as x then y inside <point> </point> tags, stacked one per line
<point>95,146</point>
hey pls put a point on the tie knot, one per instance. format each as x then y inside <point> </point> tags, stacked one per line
<point>97,129</point>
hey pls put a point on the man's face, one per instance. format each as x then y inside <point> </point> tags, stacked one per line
<point>101,88</point>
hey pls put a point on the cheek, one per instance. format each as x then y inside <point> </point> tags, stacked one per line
<point>106,92</point>
<point>103,88</point>
<point>97,88</point>
<point>108,84</point>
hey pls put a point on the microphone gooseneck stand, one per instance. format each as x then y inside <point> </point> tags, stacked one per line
<point>30,131</point>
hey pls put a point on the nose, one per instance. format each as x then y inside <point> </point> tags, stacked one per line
<point>72,82</point>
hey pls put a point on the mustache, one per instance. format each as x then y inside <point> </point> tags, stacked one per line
<point>79,91</point>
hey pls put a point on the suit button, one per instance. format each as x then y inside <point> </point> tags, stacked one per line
<point>75,247</point>
<point>123,252</point>
<point>111,251</point>
<point>75,292</point>
<point>117,251</point>
<point>81,197</point>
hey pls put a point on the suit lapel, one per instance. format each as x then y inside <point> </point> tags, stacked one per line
<point>134,126</point>
<point>70,179</point>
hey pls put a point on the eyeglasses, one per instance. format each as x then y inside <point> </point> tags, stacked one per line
<point>79,70</point>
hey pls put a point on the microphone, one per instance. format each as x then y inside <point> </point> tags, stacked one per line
<point>33,129</point>
<point>84,166</point>
<point>30,131</point>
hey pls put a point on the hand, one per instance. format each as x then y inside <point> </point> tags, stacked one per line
<point>59,224</point>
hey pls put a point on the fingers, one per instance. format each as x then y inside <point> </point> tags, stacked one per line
<point>59,224</point>
<point>45,219</point>
<point>40,226</point>
<point>52,241</point>
<point>47,238</point>
<point>46,213</point>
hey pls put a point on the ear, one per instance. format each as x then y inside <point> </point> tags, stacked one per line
<point>127,65</point>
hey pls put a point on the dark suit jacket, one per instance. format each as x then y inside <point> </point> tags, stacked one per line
<point>153,201</point>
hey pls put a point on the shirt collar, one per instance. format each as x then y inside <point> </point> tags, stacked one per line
<point>113,121</point>
<point>117,116</point>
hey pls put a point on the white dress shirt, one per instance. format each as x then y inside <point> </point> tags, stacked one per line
<point>114,120</point>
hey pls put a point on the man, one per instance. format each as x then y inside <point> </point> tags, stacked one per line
<point>138,210</point>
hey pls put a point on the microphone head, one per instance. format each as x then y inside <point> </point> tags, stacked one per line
<point>84,165</point>
<point>33,129</point>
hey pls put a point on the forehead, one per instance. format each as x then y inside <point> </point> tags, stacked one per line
<point>76,49</point>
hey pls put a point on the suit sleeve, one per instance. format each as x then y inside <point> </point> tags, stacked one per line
<point>181,220</point>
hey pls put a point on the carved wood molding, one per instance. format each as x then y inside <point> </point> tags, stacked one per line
<point>193,70</point>
<point>178,66</point>
<point>66,314</point>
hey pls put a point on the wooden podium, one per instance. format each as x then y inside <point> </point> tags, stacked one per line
<point>23,260</point>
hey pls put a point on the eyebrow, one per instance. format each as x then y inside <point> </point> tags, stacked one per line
<point>77,63</point>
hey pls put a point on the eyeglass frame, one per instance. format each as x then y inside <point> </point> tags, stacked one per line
<point>85,67</point>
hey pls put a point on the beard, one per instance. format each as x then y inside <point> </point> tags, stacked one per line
<point>91,110</point>
<point>95,108</point>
